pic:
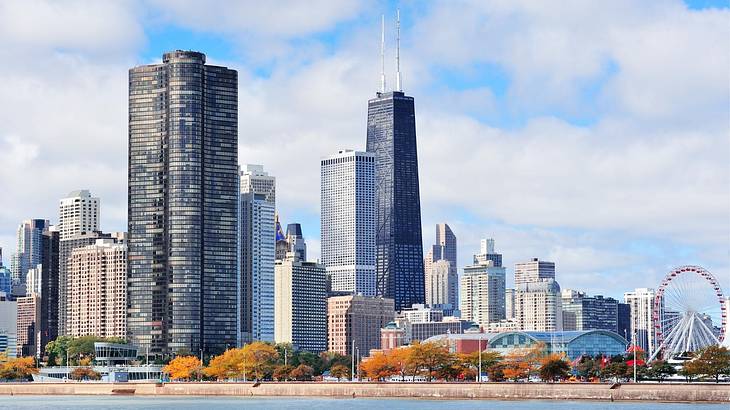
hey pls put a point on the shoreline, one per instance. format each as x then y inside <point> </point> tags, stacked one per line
<point>642,392</point>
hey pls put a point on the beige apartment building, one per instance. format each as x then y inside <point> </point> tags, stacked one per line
<point>538,306</point>
<point>355,320</point>
<point>97,290</point>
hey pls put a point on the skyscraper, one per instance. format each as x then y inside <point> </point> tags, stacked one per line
<point>482,291</point>
<point>348,221</point>
<point>78,225</point>
<point>534,270</point>
<point>355,321</point>
<point>441,286</point>
<point>300,312</point>
<point>641,304</point>
<point>581,312</point>
<point>538,306</point>
<point>97,275</point>
<point>487,253</point>
<point>29,252</point>
<point>183,205</point>
<point>391,136</point>
<point>258,244</point>
<point>295,239</point>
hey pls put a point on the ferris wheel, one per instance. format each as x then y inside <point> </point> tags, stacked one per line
<point>689,312</point>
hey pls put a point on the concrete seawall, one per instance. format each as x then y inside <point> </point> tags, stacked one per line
<point>506,391</point>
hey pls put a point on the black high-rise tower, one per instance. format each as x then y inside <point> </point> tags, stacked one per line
<point>398,240</point>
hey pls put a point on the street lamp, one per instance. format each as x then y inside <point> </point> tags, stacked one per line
<point>479,376</point>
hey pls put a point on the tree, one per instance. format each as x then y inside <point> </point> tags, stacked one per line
<point>228,365</point>
<point>615,370</point>
<point>56,349</point>
<point>429,357</point>
<point>302,372</point>
<point>259,359</point>
<point>691,370</point>
<point>21,368</point>
<point>183,367</point>
<point>282,372</point>
<point>660,370</point>
<point>401,361</point>
<point>495,372</point>
<point>713,362</point>
<point>85,373</point>
<point>340,371</point>
<point>589,368</point>
<point>554,369</point>
<point>378,367</point>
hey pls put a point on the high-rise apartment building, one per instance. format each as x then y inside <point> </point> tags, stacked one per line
<point>391,136</point>
<point>441,276</point>
<point>28,254</point>
<point>482,290</point>
<point>348,221</point>
<point>257,267</point>
<point>534,270</point>
<point>28,326</point>
<point>97,297</point>
<point>183,206</point>
<point>355,321</point>
<point>509,303</point>
<point>487,253</point>
<point>538,306</point>
<point>257,181</point>
<point>581,312</point>
<point>641,304</point>
<point>300,304</point>
<point>66,246</point>
<point>78,212</point>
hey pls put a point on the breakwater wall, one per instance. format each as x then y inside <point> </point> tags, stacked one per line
<point>504,391</point>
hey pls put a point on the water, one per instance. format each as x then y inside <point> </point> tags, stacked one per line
<point>308,403</point>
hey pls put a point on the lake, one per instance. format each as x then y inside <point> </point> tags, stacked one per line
<point>308,403</point>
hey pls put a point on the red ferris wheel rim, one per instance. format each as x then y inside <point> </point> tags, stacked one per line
<point>703,273</point>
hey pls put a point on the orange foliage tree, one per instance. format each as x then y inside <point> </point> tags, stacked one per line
<point>20,368</point>
<point>378,367</point>
<point>228,365</point>
<point>183,367</point>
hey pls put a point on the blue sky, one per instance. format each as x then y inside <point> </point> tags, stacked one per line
<point>586,135</point>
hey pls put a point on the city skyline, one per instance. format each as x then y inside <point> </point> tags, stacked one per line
<point>618,216</point>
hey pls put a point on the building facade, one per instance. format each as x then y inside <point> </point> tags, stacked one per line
<point>28,326</point>
<point>641,305</point>
<point>97,298</point>
<point>534,270</point>
<point>573,344</point>
<point>441,276</point>
<point>391,137</point>
<point>538,306</point>
<point>257,268</point>
<point>581,312</point>
<point>295,239</point>
<point>300,304</point>
<point>28,253</point>
<point>183,206</point>
<point>354,321</point>
<point>482,289</point>
<point>348,221</point>
<point>257,181</point>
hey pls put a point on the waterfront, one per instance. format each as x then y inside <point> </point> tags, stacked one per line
<point>212,403</point>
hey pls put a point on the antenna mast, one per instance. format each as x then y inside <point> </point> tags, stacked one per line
<point>382,53</point>
<point>397,52</point>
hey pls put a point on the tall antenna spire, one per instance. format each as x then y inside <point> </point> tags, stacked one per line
<point>398,86</point>
<point>382,53</point>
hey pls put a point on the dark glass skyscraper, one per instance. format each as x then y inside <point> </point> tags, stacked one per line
<point>398,241</point>
<point>183,205</point>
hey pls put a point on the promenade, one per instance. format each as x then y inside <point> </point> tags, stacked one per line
<point>503,391</point>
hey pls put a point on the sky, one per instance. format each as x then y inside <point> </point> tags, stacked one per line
<point>590,133</point>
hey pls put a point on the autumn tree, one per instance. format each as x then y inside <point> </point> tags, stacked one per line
<point>259,359</point>
<point>302,372</point>
<point>378,367</point>
<point>401,361</point>
<point>282,372</point>
<point>85,373</point>
<point>340,371</point>
<point>21,368</point>
<point>183,367</point>
<point>228,365</point>
<point>713,362</point>
<point>429,357</point>
<point>553,369</point>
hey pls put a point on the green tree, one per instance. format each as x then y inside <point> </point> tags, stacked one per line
<point>56,350</point>
<point>312,360</point>
<point>587,367</point>
<point>614,370</point>
<point>713,362</point>
<point>340,371</point>
<point>660,370</point>
<point>554,370</point>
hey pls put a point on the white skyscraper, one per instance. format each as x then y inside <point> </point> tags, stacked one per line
<point>533,271</point>
<point>78,212</point>
<point>348,221</point>
<point>641,302</point>
<point>258,242</point>
<point>482,291</point>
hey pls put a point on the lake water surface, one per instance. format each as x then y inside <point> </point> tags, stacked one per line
<point>308,403</point>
